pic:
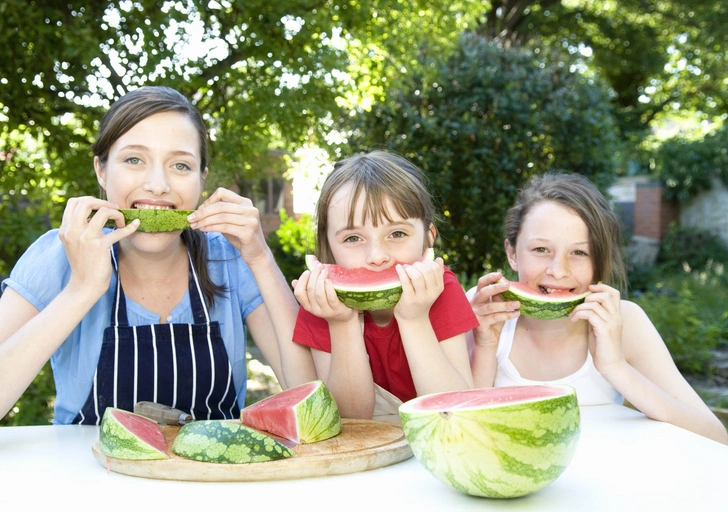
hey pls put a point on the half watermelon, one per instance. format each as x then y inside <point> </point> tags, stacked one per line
<point>125,435</point>
<point>303,414</point>
<point>495,442</point>
<point>543,306</point>
<point>363,289</point>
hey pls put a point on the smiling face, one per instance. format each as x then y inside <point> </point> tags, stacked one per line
<point>374,247</point>
<point>552,250</point>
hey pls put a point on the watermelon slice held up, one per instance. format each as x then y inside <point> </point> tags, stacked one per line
<point>496,442</point>
<point>226,442</point>
<point>303,414</point>
<point>543,306</point>
<point>125,435</point>
<point>363,289</point>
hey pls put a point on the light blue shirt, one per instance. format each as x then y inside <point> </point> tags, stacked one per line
<point>43,271</point>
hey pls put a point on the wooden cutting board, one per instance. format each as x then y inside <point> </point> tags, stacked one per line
<point>361,445</point>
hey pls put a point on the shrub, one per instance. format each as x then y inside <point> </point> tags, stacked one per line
<point>35,406</point>
<point>696,248</point>
<point>290,244</point>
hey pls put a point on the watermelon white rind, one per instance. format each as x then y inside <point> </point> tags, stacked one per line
<point>497,442</point>
<point>542,306</point>
<point>303,414</point>
<point>125,435</point>
<point>226,442</point>
<point>363,289</point>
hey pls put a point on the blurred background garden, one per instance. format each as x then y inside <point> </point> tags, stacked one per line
<point>480,94</point>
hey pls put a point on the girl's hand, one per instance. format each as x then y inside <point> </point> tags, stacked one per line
<point>236,218</point>
<point>87,247</point>
<point>490,309</point>
<point>602,309</point>
<point>316,294</point>
<point>422,284</point>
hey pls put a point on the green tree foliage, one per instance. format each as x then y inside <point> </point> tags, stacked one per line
<point>688,166</point>
<point>291,242</point>
<point>490,119</point>
<point>265,74</point>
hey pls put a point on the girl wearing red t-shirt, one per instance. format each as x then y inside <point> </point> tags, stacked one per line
<point>374,211</point>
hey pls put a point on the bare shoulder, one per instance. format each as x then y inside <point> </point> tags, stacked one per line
<point>639,334</point>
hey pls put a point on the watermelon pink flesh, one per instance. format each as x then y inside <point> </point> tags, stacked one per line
<point>275,414</point>
<point>145,429</point>
<point>525,290</point>
<point>477,398</point>
<point>363,278</point>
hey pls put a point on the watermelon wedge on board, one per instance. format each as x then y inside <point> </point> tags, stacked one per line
<point>363,289</point>
<point>226,442</point>
<point>303,414</point>
<point>125,435</point>
<point>543,306</point>
<point>496,442</point>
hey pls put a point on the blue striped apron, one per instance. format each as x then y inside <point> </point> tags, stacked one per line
<point>184,366</point>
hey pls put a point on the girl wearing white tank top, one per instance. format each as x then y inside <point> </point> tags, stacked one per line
<point>561,235</point>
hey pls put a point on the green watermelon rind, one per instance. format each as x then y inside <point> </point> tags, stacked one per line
<point>156,221</point>
<point>227,442</point>
<point>117,442</point>
<point>505,451</point>
<point>318,416</point>
<point>535,306</point>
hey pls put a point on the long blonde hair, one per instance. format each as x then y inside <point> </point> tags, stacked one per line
<point>381,176</point>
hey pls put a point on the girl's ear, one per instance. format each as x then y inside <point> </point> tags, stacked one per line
<point>204,174</point>
<point>432,235</point>
<point>511,255</point>
<point>100,172</point>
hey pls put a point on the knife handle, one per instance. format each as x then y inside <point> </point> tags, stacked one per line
<point>162,414</point>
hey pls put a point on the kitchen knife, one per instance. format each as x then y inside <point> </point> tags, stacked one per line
<point>163,414</point>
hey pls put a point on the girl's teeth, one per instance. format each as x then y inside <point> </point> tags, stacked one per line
<point>151,207</point>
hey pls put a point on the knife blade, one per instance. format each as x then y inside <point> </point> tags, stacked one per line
<point>162,414</point>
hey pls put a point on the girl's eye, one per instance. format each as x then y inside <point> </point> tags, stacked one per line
<point>351,239</point>
<point>540,249</point>
<point>133,160</point>
<point>182,167</point>
<point>399,234</point>
<point>580,253</point>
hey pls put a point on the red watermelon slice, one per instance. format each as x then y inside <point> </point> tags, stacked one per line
<point>125,435</point>
<point>363,289</point>
<point>303,414</point>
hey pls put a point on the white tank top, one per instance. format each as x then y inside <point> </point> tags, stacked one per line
<point>591,387</point>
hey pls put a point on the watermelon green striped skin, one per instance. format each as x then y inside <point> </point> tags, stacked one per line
<point>125,435</point>
<point>497,442</point>
<point>226,442</point>
<point>363,289</point>
<point>158,221</point>
<point>303,414</point>
<point>543,306</point>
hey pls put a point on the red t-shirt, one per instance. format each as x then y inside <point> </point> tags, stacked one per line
<point>450,315</point>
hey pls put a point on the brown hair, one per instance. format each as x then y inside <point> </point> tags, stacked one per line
<point>580,195</point>
<point>381,175</point>
<point>124,114</point>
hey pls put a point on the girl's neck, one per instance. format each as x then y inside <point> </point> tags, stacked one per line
<point>152,268</point>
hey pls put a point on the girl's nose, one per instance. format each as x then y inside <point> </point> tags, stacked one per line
<point>156,181</point>
<point>377,254</point>
<point>559,268</point>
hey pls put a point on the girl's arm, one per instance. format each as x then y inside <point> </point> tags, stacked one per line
<point>650,381</point>
<point>346,369</point>
<point>272,323</point>
<point>28,337</point>
<point>435,366</point>
<point>491,312</point>
<point>630,354</point>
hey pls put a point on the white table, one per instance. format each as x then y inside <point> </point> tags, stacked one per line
<point>624,462</point>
